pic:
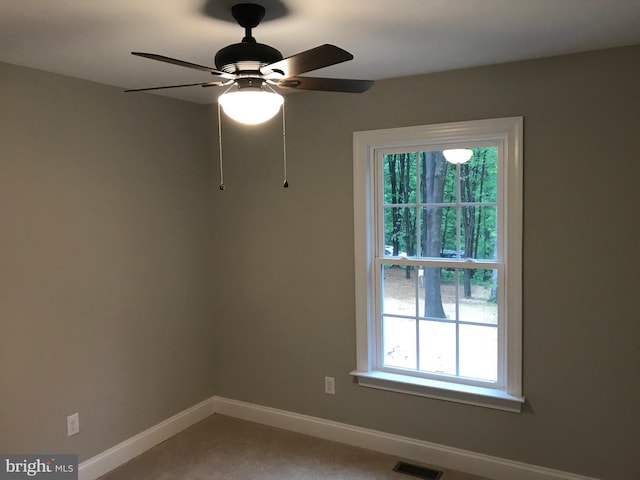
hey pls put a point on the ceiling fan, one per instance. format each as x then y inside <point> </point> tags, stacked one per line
<point>250,70</point>
<point>252,66</point>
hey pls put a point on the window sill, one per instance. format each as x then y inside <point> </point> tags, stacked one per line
<point>423,387</point>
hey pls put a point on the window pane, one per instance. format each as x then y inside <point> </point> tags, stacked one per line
<point>437,178</point>
<point>399,292</point>
<point>399,342</point>
<point>399,178</point>
<point>438,347</point>
<point>478,295</point>
<point>448,233</point>
<point>436,293</point>
<point>478,177</point>
<point>478,232</point>
<point>479,352</point>
<point>400,231</point>
<point>438,232</point>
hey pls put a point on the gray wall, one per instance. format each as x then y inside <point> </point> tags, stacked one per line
<point>104,262</point>
<point>131,288</point>
<point>285,284</point>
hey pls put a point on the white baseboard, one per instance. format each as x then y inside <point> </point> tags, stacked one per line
<point>110,459</point>
<point>402,447</point>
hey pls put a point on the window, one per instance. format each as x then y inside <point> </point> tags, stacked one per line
<point>438,249</point>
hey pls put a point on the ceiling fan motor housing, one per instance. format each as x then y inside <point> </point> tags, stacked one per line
<point>246,57</point>
<point>249,64</point>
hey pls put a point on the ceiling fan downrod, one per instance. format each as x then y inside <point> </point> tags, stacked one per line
<point>248,16</point>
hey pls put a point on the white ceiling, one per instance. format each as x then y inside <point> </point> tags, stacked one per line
<point>92,39</point>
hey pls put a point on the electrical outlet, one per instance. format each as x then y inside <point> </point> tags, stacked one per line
<point>73,424</point>
<point>330,385</point>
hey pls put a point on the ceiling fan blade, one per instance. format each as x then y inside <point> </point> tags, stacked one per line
<point>326,84</point>
<point>182,63</point>
<point>319,57</point>
<point>205,84</point>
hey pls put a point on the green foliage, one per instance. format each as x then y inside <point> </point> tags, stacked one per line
<point>465,205</point>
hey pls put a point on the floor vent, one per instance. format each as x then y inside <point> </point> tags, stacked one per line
<point>417,471</point>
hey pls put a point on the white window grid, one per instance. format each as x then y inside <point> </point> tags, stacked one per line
<point>381,259</point>
<point>369,248</point>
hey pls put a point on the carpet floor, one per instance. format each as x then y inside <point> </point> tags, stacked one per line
<point>225,448</point>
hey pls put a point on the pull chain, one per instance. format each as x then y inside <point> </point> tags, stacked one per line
<point>220,146</point>
<point>284,148</point>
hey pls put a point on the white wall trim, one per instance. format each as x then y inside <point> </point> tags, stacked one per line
<point>112,458</point>
<point>402,447</point>
<point>369,147</point>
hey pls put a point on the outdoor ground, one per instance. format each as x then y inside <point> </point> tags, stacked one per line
<point>437,346</point>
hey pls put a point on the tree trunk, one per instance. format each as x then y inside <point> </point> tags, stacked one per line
<point>395,241</point>
<point>433,167</point>
<point>468,224</point>
<point>404,199</point>
<point>493,297</point>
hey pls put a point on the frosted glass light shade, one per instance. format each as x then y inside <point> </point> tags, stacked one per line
<point>251,106</point>
<point>457,155</point>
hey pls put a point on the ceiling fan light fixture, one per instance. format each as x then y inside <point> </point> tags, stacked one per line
<point>251,106</point>
<point>457,155</point>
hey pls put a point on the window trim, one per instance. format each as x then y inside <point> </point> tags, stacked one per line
<point>365,145</point>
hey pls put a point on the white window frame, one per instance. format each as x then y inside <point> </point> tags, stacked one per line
<point>368,146</point>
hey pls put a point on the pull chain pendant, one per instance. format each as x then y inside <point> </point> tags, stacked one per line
<point>220,146</point>
<point>284,149</point>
